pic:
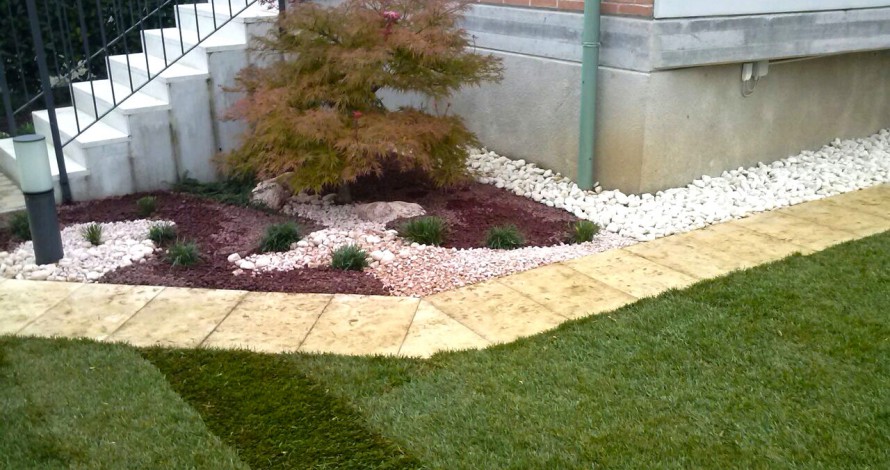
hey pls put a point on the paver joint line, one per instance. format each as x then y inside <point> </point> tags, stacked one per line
<point>215,327</point>
<point>486,338</point>
<point>407,330</point>
<point>314,323</point>
<point>26,325</point>
<point>109,335</point>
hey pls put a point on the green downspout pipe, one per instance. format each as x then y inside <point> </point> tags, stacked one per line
<point>590,58</point>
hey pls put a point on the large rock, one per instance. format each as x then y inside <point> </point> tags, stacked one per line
<point>383,212</point>
<point>270,193</point>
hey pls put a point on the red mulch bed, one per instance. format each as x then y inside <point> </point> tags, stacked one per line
<point>219,231</point>
<point>470,209</point>
<point>7,241</point>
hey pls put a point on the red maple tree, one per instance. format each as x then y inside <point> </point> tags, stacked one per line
<point>316,112</point>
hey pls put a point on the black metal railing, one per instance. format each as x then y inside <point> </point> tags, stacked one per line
<point>67,41</point>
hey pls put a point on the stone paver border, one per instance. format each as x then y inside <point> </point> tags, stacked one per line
<point>495,311</point>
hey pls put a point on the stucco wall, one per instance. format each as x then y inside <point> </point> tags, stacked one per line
<point>663,129</point>
<point>698,123</point>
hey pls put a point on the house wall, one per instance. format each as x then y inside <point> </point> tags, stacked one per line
<point>642,8</point>
<point>670,108</point>
<point>690,8</point>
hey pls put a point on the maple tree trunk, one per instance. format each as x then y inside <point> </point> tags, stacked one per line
<point>343,194</point>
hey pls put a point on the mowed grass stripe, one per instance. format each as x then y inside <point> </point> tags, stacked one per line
<point>274,415</point>
<point>80,404</point>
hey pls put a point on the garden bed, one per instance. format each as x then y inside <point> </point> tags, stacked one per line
<point>228,238</point>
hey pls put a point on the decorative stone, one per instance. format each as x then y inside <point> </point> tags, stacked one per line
<point>270,193</point>
<point>234,258</point>
<point>383,212</point>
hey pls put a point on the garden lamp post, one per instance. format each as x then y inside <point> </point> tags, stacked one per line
<point>36,182</point>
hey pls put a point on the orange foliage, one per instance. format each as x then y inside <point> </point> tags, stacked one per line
<point>317,111</point>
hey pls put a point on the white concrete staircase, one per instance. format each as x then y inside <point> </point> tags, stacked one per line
<point>173,125</point>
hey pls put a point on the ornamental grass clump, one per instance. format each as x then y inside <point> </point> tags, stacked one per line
<point>583,231</point>
<point>317,113</point>
<point>147,206</point>
<point>279,237</point>
<point>349,258</point>
<point>183,253</point>
<point>162,234</point>
<point>20,225</point>
<point>428,230</point>
<point>93,234</point>
<point>504,237</point>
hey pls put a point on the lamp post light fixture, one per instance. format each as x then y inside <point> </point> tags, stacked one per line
<point>36,182</point>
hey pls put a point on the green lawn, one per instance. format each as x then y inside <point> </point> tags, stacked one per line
<point>83,405</point>
<point>783,366</point>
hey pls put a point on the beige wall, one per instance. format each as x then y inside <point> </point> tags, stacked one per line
<point>664,129</point>
<point>697,121</point>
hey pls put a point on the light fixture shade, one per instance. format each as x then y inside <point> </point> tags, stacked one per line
<point>33,161</point>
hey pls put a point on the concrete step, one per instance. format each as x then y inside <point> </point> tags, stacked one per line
<point>70,120</point>
<point>77,175</point>
<point>191,122</point>
<point>134,70</point>
<point>11,198</point>
<point>117,98</point>
<point>204,18</point>
<point>102,149</point>
<point>156,41</point>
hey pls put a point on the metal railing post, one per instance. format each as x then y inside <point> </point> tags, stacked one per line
<point>7,99</point>
<point>48,99</point>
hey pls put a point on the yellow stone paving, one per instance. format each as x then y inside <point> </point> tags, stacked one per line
<point>685,254</point>
<point>742,247</point>
<point>178,317</point>
<point>269,322</point>
<point>354,324</point>
<point>433,331</point>
<point>93,312</point>
<point>630,273</point>
<point>841,215</point>
<point>875,201</point>
<point>22,302</point>
<point>801,232</point>
<point>565,291</point>
<point>495,311</point>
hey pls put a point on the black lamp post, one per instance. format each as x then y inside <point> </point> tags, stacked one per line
<point>36,182</point>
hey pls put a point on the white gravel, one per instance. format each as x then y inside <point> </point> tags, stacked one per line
<point>417,270</point>
<point>123,243</point>
<point>408,268</point>
<point>839,167</point>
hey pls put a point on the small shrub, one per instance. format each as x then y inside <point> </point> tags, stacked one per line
<point>183,253</point>
<point>93,234</point>
<point>279,237</point>
<point>349,257</point>
<point>20,226</point>
<point>584,231</point>
<point>25,129</point>
<point>504,237</point>
<point>234,190</point>
<point>425,230</point>
<point>162,234</point>
<point>147,205</point>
